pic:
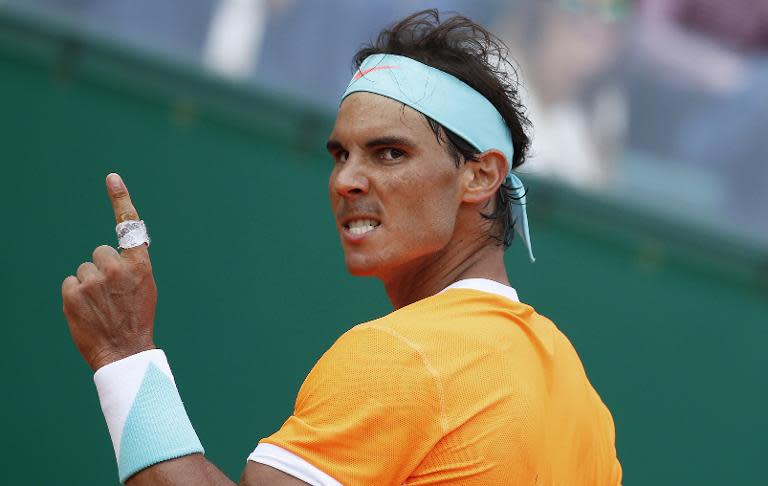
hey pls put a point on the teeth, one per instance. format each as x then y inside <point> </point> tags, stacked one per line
<point>361,226</point>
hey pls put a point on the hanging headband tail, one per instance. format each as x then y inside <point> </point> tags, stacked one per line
<point>519,214</point>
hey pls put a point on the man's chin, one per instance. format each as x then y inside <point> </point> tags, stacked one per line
<point>359,268</point>
<point>361,271</point>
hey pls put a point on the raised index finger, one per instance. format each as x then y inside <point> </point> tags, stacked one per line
<point>124,211</point>
<point>121,200</point>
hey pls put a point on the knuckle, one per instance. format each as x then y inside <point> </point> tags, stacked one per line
<point>111,269</point>
<point>92,287</point>
<point>69,293</point>
<point>103,250</point>
<point>85,284</point>
<point>107,260</point>
<point>128,215</point>
<point>143,267</point>
<point>120,192</point>
<point>110,266</point>
<point>68,312</point>
<point>83,268</point>
<point>88,275</point>
<point>71,301</point>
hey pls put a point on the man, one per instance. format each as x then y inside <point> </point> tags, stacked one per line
<point>462,383</point>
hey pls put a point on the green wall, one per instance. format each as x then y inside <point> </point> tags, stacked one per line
<point>671,322</point>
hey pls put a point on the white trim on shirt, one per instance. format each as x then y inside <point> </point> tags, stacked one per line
<point>289,463</point>
<point>485,285</point>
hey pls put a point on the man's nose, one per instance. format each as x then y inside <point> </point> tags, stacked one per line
<point>350,180</point>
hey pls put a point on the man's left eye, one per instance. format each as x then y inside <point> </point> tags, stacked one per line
<point>391,154</point>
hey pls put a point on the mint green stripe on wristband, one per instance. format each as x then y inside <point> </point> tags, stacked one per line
<point>157,427</point>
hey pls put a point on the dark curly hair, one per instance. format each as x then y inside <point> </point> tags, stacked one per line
<point>466,50</point>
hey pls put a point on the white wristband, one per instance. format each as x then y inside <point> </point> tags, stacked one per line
<point>144,412</point>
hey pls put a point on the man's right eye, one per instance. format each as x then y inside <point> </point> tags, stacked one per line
<point>341,156</point>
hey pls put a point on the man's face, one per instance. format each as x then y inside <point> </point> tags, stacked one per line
<point>394,189</point>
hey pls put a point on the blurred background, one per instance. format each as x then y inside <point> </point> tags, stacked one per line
<point>648,197</point>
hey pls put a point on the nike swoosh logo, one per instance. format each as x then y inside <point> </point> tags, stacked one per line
<point>362,73</point>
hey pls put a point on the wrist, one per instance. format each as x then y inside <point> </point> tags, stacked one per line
<point>110,355</point>
<point>145,416</point>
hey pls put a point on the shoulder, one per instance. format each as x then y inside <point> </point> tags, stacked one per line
<point>402,334</point>
<point>376,350</point>
<point>373,364</point>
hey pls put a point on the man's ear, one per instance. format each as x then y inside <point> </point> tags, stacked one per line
<point>483,176</point>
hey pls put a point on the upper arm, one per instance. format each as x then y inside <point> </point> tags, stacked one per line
<point>256,474</point>
<point>368,412</point>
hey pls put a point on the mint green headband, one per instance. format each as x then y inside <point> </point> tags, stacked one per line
<point>450,102</point>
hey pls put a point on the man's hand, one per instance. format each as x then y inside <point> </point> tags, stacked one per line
<point>110,305</point>
<point>110,308</point>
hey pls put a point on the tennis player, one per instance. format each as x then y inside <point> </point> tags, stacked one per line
<point>462,383</point>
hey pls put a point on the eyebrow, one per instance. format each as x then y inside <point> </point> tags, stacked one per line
<point>334,145</point>
<point>389,140</point>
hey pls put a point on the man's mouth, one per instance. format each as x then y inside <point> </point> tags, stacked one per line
<point>361,226</point>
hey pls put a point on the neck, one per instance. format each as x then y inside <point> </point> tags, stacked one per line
<point>431,274</point>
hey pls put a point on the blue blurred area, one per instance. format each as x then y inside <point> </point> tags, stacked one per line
<point>658,101</point>
<point>309,49</point>
<point>175,27</point>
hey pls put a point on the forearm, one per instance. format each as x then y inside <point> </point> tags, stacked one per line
<point>154,441</point>
<point>148,422</point>
<point>195,470</point>
<point>191,470</point>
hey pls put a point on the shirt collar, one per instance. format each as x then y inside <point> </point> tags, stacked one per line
<point>485,285</point>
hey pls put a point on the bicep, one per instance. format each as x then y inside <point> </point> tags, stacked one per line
<point>368,413</point>
<point>256,474</point>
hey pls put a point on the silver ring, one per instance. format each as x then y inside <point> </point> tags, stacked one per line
<point>131,234</point>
